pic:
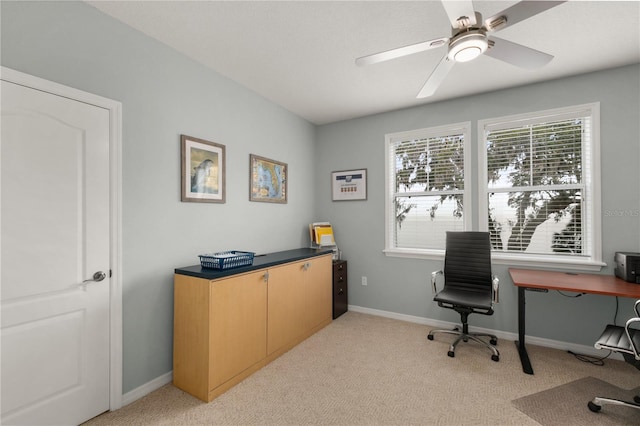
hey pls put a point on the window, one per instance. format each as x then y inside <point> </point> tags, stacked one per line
<point>540,189</point>
<point>426,188</point>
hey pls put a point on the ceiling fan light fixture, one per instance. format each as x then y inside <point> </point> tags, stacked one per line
<point>468,46</point>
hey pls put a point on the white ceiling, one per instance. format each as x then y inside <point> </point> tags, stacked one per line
<point>300,54</point>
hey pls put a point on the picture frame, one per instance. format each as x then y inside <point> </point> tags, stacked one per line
<point>349,185</point>
<point>203,170</point>
<point>267,180</point>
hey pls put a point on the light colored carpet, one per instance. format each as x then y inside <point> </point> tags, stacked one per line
<point>567,404</point>
<point>369,370</point>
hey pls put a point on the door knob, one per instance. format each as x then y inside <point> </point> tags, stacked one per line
<point>97,277</point>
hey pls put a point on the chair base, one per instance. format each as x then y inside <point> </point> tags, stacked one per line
<point>462,336</point>
<point>596,404</point>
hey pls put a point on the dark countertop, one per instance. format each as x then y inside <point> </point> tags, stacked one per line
<point>259,262</point>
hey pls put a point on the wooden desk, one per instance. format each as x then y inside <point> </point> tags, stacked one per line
<point>534,280</point>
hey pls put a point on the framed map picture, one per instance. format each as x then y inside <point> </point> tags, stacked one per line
<point>267,180</point>
<point>349,185</point>
<point>203,170</point>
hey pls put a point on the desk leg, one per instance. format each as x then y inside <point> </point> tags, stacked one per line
<point>522,350</point>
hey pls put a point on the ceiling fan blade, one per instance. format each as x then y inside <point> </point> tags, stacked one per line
<point>401,51</point>
<point>517,54</point>
<point>517,13</point>
<point>457,9</point>
<point>436,78</point>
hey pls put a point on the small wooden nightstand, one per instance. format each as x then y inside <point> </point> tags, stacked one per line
<point>340,298</point>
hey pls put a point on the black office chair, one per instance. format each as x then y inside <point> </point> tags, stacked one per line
<point>625,340</point>
<point>469,286</point>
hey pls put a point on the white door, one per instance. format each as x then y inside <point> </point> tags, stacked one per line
<point>55,237</point>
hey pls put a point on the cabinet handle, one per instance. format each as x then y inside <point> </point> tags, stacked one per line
<point>306,266</point>
<point>266,277</point>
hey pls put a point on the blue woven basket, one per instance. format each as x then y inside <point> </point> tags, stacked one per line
<point>226,259</point>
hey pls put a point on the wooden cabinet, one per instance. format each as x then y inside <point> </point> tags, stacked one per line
<point>318,292</point>
<point>225,329</point>
<point>238,321</point>
<point>285,301</point>
<point>220,330</point>
<point>299,300</point>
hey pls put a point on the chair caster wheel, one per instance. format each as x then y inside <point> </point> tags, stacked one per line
<point>429,336</point>
<point>493,341</point>
<point>495,358</point>
<point>451,354</point>
<point>594,407</point>
<point>637,399</point>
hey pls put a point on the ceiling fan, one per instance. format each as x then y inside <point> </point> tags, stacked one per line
<point>469,39</point>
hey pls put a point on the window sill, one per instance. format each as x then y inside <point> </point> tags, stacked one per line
<point>548,262</point>
<point>530,261</point>
<point>415,253</point>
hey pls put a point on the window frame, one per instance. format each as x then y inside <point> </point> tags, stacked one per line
<point>467,193</point>
<point>590,151</point>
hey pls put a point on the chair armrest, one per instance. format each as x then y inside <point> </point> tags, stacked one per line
<point>495,281</point>
<point>636,307</point>
<point>434,276</point>
<point>627,327</point>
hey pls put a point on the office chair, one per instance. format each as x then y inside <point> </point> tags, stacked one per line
<point>469,287</point>
<point>625,340</point>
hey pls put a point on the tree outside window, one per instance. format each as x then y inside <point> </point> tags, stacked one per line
<point>540,183</point>
<point>538,190</point>
<point>427,186</point>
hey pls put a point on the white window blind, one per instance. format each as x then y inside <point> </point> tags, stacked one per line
<point>425,186</point>
<point>540,185</point>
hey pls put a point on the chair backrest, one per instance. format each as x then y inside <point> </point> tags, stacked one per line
<point>467,262</point>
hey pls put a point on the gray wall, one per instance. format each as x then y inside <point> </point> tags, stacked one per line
<point>400,285</point>
<point>164,94</point>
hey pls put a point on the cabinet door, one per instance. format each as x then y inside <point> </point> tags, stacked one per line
<point>238,325</point>
<point>318,294</point>
<point>286,305</point>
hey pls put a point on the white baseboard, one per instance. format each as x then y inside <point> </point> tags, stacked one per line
<point>147,388</point>
<point>530,340</point>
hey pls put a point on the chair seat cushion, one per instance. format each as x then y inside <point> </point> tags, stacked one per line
<point>464,297</point>
<point>614,337</point>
